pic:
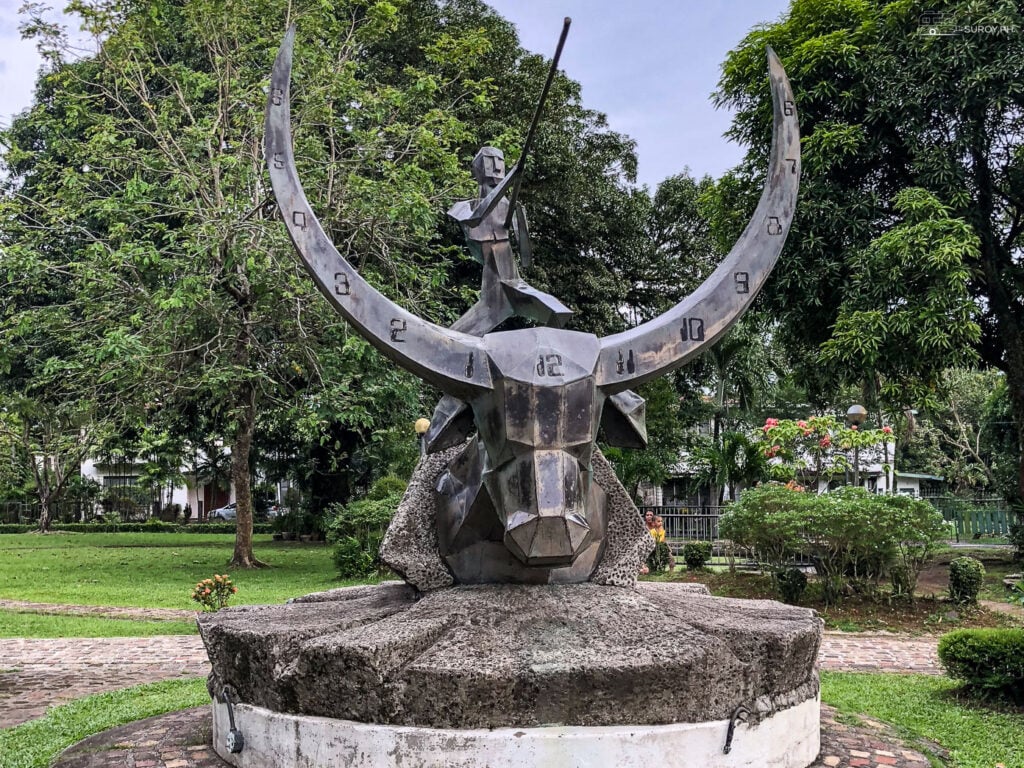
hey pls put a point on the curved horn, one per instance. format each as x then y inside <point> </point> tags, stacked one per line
<point>630,358</point>
<point>452,361</point>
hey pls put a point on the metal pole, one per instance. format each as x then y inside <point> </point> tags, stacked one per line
<point>533,125</point>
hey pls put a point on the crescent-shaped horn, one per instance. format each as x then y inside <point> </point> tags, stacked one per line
<point>630,358</point>
<point>452,361</point>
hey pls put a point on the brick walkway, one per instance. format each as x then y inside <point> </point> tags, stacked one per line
<point>103,611</point>
<point>35,674</point>
<point>879,652</point>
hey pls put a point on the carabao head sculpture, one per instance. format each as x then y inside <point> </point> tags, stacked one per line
<point>537,396</point>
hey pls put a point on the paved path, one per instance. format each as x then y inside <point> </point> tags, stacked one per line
<point>879,652</point>
<point>104,611</point>
<point>35,674</point>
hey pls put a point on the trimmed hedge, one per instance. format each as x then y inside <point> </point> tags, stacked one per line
<point>154,527</point>
<point>696,554</point>
<point>990,660</point>
<point>966,577</point>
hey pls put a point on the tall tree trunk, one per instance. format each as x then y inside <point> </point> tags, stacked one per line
<point>241,449</point>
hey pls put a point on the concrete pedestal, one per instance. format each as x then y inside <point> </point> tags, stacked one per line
<point>522,675</point>
<point>786,739</point>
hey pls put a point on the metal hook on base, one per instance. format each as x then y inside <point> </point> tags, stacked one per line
<point>740,714</point>
<point>235,742</point>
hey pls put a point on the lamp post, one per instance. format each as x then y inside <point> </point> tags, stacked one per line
<point>856,416</point>
<point>421,426</point>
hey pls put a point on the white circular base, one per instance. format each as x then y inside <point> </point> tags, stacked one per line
<point>789,738</point>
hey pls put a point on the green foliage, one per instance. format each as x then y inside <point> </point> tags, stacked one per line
<point>214,594</point>
<point>991,661</point>
<point>357,528</point>
<point>666,434</point>
<point>386,487</point>
<point>819,445</point>
<point>909,307</point>
<point>792,582</point>
<point>354,557</point>
<point>769,520</point>
<point>903,255</point>
<point>737,462</point>
<point>696,554</point>
<point>659,559</point>
<point>853,537</point>
<point>966,578</point>
<point>1016,538</point>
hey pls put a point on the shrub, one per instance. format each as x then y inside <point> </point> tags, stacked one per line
<point>357,529</point>
<point>916,530</point>
<point>854,538</point>
<point>791,582</point>
<point>658,560</point>
<point>697,554</point>
<point>769,521</point>
<point>353,559</point>
<point>990,660</point>
<point>1016,537</point>
<point>386,486</point>
<point>966,575</point>
<point>213,594</point>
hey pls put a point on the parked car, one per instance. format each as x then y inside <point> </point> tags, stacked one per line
<point>225,513</point>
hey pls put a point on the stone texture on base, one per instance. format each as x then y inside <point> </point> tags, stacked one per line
<point>494,656</point>
<point>786,739</point>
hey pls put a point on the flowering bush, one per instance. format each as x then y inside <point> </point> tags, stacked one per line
<point>818,445</point>
<point>213,594</point>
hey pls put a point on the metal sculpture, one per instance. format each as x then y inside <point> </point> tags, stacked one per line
<point>538,396</point>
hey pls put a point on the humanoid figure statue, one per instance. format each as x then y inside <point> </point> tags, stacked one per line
<point>503,292</point>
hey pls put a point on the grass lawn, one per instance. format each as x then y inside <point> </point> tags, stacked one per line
<point>14,624</point>
<point>925,707</point>
<point>153,569</point>
<point>36,743</point>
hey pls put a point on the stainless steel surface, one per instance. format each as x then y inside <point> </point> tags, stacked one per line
<point>520,500</point>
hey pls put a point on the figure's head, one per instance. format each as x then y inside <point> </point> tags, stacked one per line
<point>489,166</point>
<point>649,518</point>
<point>658,522</point>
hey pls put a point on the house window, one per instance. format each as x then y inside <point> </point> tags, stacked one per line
<point>120,481</point>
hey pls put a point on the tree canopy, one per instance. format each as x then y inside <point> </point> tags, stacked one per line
<point>886,107</point>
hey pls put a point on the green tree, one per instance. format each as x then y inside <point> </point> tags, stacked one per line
<point>884,109</point>
<point>147,159</point>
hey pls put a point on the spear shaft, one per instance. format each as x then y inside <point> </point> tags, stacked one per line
<point>521,165</point>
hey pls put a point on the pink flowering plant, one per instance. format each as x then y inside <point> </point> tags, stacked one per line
<point>213,594</point>
<point>819,445</point>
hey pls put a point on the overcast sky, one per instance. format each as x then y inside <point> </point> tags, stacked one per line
<point>650,65</point>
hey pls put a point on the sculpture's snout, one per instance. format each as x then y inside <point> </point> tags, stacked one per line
<point>548,526</point>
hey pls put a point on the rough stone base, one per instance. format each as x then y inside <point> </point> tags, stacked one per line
<point>787,739</point>
<point>495,656</point>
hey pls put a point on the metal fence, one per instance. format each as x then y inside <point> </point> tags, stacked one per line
<point>688,523</point>
<point>77,511</point>
<point>976,517</point>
